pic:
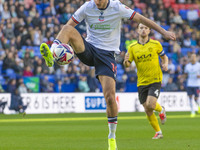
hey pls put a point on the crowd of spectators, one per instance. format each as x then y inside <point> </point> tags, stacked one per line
<point>25,24</point>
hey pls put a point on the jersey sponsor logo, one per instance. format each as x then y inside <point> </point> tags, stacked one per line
<point>100,26</point>
<point>144,56</point>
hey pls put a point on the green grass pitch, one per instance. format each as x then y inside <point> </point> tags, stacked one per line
<point>89,132</point>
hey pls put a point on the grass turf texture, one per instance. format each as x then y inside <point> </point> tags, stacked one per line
<point>89,132</point>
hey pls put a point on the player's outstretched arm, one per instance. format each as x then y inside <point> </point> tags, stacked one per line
<point>164,62</point>
<point>141,19</point>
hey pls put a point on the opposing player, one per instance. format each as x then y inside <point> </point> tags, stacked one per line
<point>103,23</point>
<point>192,71</point>
<point>145,53</point>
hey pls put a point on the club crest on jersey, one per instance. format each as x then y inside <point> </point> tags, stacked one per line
<point>150,49</point>
<point>101,17</point>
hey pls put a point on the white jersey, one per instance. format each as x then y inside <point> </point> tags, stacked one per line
<point>103,26</point>
<point>193,70</point>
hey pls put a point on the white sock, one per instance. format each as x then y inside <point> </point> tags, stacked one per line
<point>191,106</point>
<point>56,42</point>
<point>112,130</point>
<point>161,110</point>
<point>112,124</point>
<point>160,132</point>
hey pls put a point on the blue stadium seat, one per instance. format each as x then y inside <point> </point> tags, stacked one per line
<point>69,87</point>
<point>36,49</point>
<point>51,78</point>
<point>26,13</point>
<point>166,27</point>
<point>20,54</point>
<point>1,64</point>
<point>2,80</point>
<point>169,55</point>
<point>120,72</point>
<point>165,44</point>
<point>119,66</point>
<point>131,87</point>
<point>185,50</point>
<point>138,10</point>
<point>39,9</point>
<point>166,49</point>
<point>24,47</point>
<point>10,73</point>
<point>183,13</point>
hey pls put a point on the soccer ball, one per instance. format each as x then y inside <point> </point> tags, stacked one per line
<point>63,54</point>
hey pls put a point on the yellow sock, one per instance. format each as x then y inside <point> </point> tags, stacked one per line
<point>154,122</point>
<point>158,107</point>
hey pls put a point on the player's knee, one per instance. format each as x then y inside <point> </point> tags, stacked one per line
<point>67,29</point>
<point>150,106</point>
<point>110,99</point>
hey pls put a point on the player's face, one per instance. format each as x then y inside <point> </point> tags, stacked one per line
<point>101,4</point>
<point>143,30</point>
<point>193,58</point>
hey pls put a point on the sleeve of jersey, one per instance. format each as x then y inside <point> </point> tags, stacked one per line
<point>130,55</point>
<point>79,15</point>
<point>161,52</point>
<point>126,12</point>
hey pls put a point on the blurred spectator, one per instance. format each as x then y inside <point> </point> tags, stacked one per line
<point>17,103</point>
<point>82,84</point>
<point>192,16</point>
<point>58,86</point>
<point>25,24</point>
<point>27,72</point>
<point>46,86</point>
<point>92,81</point>
<point>122,84</point>
<point>171,67</point>
<point>5,14</point>
<point>177,18</point>
<point>9,61</point>
<point>27,59</point>
<point>22,88</point>
<point>11,86</point>
<point>171,86</point>
<point>1,89</point>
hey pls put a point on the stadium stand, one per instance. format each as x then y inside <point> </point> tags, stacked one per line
<point>26,24</point>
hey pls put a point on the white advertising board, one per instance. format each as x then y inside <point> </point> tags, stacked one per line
<point>39,103</point>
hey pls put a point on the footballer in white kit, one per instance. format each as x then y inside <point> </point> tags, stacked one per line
<point>192,70</point>
<point>103,23</point>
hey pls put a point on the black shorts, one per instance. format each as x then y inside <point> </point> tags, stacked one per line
<point>193,91</point>
<point>102,60</point>
<point>151,89</point>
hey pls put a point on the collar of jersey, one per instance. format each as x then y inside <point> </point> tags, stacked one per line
<point>109,4</point>
<point>144,43</point>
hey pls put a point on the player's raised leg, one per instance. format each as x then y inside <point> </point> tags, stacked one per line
<point>149,106</point>
<point>68,34</point>
<point>108,86</point>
